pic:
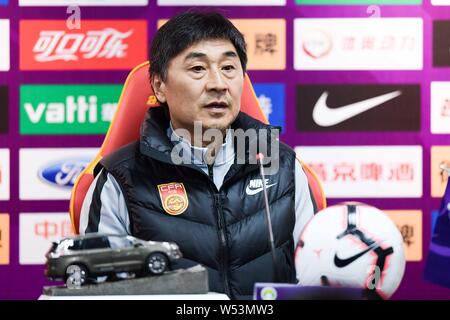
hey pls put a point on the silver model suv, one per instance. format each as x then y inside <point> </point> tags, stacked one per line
<point>76,259</point>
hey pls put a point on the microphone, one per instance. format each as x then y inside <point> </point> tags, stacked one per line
<point>259,158</point>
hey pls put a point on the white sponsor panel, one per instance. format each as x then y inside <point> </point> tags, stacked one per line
<point>4,45</point>
<point>366,171</point>
<point>54,3</point>
<point>4,174</point>
<point>50,173</point>
<point>440,2</point>
<point>36,233</point>
<point>358,44</point>
<point>221,2</point>
<point>440,107</point>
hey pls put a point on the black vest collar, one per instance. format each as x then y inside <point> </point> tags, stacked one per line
<point>155,143</point>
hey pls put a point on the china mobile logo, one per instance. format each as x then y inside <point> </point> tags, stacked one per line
<point>51,229</point>
<point>59,45</point>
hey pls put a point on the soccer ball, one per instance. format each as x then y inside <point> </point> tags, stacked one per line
<point>351,245</point>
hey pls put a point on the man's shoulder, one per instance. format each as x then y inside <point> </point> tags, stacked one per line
<point>122,156</point>
<point>283,159</point>
<point>286,150</point>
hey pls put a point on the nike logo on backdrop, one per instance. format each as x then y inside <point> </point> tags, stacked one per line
<point>255,186</point>
<point>326,117</point>
<point>341,263</point>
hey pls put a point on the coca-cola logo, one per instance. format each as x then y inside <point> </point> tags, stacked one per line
<point>63,173</point>
<point>99,45</point>
<point>59,45</point>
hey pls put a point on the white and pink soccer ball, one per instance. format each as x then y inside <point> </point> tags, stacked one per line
<point>351,245</point>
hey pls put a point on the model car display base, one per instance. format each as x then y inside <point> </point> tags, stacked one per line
<point>183,281</point>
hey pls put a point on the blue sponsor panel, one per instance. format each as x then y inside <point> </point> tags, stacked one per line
<point>271,97</point>
<point>63,173</point>
<point>434,216</point>
<point>438,262</point>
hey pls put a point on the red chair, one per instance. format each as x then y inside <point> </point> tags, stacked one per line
<point>137,96</point>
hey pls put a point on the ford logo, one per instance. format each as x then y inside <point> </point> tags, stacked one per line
<point>64,172</point>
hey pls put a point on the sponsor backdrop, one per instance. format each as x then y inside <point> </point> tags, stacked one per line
<point>361,88</point>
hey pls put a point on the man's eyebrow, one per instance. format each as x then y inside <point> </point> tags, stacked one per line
<point>194,55</point>
<point>230,54</point>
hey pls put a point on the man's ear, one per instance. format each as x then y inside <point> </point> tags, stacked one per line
<point>159,88</point>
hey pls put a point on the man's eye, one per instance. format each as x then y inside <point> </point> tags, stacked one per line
<point>228,68</point>
<point>197,68</point>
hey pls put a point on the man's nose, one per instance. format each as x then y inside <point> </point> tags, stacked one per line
<point>216,82</point>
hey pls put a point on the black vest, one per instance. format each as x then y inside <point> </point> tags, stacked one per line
<point>224,230</point>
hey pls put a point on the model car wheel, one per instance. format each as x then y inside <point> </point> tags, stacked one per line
<point>157,263</point>
<point>76,276</point>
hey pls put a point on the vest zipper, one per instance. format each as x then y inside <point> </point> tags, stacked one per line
<point>223,243</point>
<point>223,239</point>
<point>211,172</point>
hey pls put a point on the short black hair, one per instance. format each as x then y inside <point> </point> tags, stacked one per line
<point>187,29</point>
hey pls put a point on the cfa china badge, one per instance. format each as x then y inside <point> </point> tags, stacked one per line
<point>173,197</point>
<point>152,101</point>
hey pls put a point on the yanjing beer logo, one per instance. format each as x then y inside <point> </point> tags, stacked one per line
<point>360,172</point>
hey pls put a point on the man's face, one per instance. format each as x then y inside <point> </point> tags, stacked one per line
<point>204,83</point>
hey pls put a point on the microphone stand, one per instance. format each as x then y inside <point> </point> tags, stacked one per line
<point>260,157</point>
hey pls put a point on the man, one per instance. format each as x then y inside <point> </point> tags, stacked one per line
<point>438,259</point>
<point>203,193</point>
